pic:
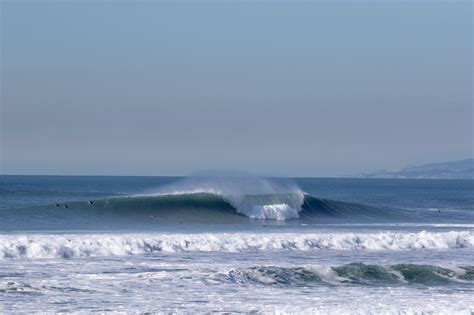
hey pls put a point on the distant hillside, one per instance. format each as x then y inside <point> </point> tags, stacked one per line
<point>463,169</point>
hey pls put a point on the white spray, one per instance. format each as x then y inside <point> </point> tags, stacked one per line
<point>256,198</point>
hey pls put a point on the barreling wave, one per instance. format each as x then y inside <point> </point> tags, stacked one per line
<point>256,198</point>
<point>203,207</point>
<point>268,206</point>
<point>353,274</point>
<point>214,202</point>
<point>263,199</point>
<point>41,246</point>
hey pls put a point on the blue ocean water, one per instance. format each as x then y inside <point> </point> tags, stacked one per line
<point>216,244</point>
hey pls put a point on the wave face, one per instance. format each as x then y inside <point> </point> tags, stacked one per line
<point>264,207</point>
<point>35,246</point>
<point>206,207</point>
<point>234,201</point>
<point>253,197</point>
<point>354,273</point>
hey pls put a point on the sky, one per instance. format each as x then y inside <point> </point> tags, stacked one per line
<point>274,88</point>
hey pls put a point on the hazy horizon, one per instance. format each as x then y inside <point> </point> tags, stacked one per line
<point>233,173</point>
<point>323,89</point>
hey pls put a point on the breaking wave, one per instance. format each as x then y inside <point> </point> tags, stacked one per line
<point>204,204</point>
<point>354,274</point>
<point>206,207</point>
<point>40,246</point>
<point>255,198</point>
<point>216,202</point>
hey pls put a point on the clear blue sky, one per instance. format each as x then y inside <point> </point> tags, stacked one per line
<point>321,88</point>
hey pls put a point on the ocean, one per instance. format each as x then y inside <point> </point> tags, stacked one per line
<point>236,245</point>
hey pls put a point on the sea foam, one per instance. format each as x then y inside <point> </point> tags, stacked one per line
<point>37,246</point>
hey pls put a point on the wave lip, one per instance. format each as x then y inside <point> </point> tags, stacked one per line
<point>89,245</point>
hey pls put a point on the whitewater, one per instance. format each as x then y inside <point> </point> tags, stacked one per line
<point>263,245</point>
<point>96,245</point>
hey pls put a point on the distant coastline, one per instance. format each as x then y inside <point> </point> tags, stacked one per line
<point>463,169</point>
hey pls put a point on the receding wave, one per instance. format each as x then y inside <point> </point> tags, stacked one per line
<point>354,274</point>
<point>39,246</point>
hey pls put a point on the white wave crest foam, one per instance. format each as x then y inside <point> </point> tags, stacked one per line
<point>256,198</point>
<point>89,245</point>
